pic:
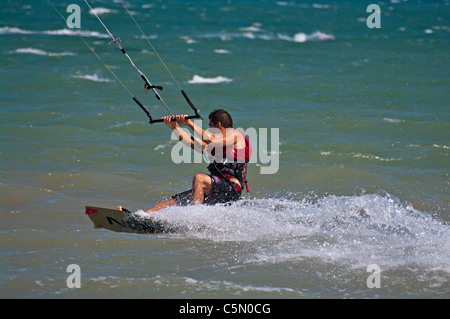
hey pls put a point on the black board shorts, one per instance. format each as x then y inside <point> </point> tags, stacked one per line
<point>221,192</point>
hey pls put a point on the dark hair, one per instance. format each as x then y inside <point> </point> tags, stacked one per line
<point>221,116</point>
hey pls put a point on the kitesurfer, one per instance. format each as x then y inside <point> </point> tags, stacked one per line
<point>229,151</point>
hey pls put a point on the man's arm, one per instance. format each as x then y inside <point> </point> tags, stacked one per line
<point>232,138</point>
<point>206,136</point>
<point>182,135</point>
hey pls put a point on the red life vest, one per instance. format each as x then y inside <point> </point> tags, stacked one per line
<point>234,162</point>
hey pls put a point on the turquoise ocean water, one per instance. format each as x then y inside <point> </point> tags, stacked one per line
<point>362,155</point>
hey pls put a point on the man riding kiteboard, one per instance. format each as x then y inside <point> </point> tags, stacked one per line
<point>229,151</point>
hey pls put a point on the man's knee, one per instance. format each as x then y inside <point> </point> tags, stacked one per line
<point>200,180</point>
<point>203,183</point>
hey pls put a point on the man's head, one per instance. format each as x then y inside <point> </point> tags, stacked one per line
<point>221,116</point>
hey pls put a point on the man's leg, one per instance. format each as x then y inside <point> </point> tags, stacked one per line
<point>167,203</point>
<point>201,186</point>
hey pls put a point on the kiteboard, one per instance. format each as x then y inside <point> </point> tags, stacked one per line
<point>124,221</point>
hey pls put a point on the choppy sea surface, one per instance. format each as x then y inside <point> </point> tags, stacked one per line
<point>351,161</point>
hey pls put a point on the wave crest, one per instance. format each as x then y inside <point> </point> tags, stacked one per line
<point>358,230</point>
<point>67,32</point>
<point>40,52</point>
<point>219,79</point>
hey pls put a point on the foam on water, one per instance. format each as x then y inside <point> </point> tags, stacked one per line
<point>354,230</point>
<point>303,37</point>
<point>199,79</point>
<point>259,34</point>
<point>40,52</point>
<point>61,32</point>
<point>91,77</point>
<point>100,11</point>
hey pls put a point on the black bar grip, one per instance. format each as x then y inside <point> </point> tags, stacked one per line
<point>190,103</point>
<point>143,109</point>
<point>161,120</point>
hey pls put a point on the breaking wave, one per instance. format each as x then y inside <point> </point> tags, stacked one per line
<point>198,79</point>
<point>41,52</point>
<point>91,77</point>
<point>303,37</point>
<point>358,230</point>
<point>61,32</point>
